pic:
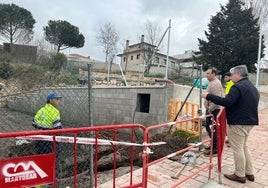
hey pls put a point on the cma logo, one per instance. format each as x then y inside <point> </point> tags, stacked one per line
<point>22,171</point>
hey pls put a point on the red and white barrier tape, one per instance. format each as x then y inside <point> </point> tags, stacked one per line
<point>82,140</point>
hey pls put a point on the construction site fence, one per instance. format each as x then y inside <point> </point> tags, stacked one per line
<point>221,125</point>
<point>29,168</point>
<point>74,167</point>
<point>186,110</point>
<point>147,164</point>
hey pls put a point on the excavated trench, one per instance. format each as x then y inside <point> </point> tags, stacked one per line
<point>105,157</point>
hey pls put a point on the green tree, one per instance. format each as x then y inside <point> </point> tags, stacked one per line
<point>232,39</point>
<point>63,35</point>
<point>16,23</point>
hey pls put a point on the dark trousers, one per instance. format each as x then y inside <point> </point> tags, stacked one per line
<point>209,123</point>
<point>44,147</point>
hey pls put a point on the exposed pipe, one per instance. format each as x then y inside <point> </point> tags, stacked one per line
<point>164,80</point>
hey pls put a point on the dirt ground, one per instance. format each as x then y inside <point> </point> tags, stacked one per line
<point>10,149</point>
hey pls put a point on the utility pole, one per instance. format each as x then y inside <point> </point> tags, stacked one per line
<point>167,63</point>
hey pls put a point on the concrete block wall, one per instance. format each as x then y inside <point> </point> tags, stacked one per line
<point>112,105</point>
<point>118,105</point>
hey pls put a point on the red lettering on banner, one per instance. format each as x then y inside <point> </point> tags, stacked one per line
<point>27,171</point>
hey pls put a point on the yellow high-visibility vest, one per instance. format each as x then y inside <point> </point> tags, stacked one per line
<point>47,117</point>
<point>228,86</point>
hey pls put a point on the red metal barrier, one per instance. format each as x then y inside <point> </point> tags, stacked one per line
<point>34,170</point>
<point>221,134</point>
<point>34,164</point>
<point>147,164</point>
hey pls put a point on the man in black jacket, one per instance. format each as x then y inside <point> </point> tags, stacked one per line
<point>242,114</point>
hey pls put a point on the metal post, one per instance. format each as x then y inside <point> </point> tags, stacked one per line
<point>108,77</point>
<point>90,120</point>
<point>259,49</point>
<point>122,73</point>
<point>200,90</point>
<point>167,63</point>
<point>200,113</point>
<point>259,61</point>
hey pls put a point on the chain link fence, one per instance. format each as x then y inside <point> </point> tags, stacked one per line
<point>24,89</point>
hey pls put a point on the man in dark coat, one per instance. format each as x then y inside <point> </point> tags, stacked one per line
<point>242,115</point>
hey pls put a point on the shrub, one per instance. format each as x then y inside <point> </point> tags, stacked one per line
<point>5,68</point>
<point>57,61</point>
<point>156,75</point>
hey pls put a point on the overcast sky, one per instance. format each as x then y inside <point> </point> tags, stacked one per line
<point>189,19</point>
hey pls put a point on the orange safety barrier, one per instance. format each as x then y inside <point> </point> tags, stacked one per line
<point>190,110</point>
<point>30,171</point>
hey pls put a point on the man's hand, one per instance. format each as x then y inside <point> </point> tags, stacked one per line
<point>204,94</point>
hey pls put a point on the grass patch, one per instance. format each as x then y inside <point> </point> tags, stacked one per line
<point>188,136</point>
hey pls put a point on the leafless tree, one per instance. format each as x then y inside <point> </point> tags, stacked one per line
<point>108,38</point>
<point>44,49</point>
<point>260,11</point>
<point>259,7</point>
<point>152,32</point>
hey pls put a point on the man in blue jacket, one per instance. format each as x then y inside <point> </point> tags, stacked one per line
<point>242,115</point>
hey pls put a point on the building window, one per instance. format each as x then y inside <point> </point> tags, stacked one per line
<point>138,56</point>
<point>157,60</point>
<point>143,103</point>
<point>164,62</point>
<point>131,58</point>
<point>172,64</point>
<point>124,59</point>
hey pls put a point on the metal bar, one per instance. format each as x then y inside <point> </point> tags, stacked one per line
<point>75,161</point>
<point>192,175</point>
<point>55,154</point>
<point>90,121</point>
<point>69,130</point>
<point>167,63</point>
<point>177,152</point>
<point>114,170</point>
<point>96,160</point>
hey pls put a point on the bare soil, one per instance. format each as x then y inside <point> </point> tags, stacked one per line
<point>10,149</point>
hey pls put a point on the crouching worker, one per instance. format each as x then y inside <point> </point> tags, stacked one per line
<point>48,118</point>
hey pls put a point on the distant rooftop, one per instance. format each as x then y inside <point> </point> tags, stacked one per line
<point>187,54</point>
<point>80,56</point>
